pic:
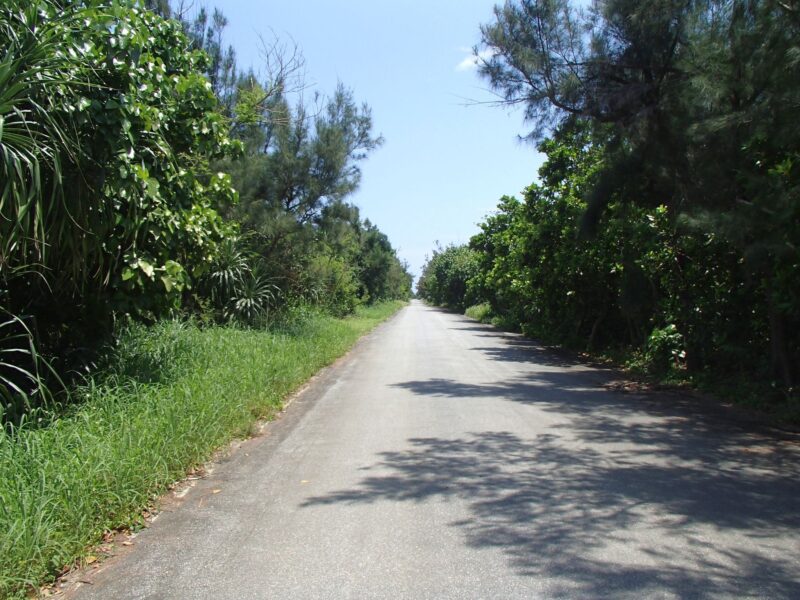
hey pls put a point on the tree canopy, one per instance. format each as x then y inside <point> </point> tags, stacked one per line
<point>664,222</point>
<point>144,175</point>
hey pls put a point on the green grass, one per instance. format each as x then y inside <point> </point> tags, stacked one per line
<point>480,312</point>
<point>483,313</point>
<point>167,397</point>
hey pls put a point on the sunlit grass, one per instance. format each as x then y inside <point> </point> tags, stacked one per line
<point>168,397</point>
<point>480,312</point>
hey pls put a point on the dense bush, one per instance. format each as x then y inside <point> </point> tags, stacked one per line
<point>116,124</point>
<point>647,280</point>
<point>122,136</point>
<point>665,219</point>
<point>445,277</point>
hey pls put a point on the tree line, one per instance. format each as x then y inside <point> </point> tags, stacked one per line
<point>144,175</point>
<point>666,217</point>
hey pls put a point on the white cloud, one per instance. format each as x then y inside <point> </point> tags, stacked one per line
<point>471,61</point>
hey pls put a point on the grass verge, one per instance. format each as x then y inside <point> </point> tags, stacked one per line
<point>168,396</point>
<point>480,312</point>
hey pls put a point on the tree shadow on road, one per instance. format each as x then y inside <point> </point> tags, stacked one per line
<point>620,496</point>
<point>526,351</point>
<point>515,347</point>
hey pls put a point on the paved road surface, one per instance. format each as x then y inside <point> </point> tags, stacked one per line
<point>444,459</point>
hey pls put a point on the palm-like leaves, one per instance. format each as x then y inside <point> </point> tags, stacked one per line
<point>243,292</point>
<point>36,70</point>
<point>229,270</point>
<point>252,299</point>
<point>22,371</point>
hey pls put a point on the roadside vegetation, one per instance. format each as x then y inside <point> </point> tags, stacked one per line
<point>167,397</point>
<point>663,227</point>
<point>145,177</point>
<point>177,253</point>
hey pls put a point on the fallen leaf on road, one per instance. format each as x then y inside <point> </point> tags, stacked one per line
<point>217,491</point>
<point>90,559</point>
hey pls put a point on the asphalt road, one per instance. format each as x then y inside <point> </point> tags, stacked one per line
<point>444,459</point>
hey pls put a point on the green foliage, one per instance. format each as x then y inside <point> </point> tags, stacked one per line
<point>252,299</point>
<point>167,397</point>
<point>331,281</point>
<point>689,109</point>
<point>231,266</point>
<point>298,168</point>
<point>119,182</point>
<point>119,211</point>
<point>679,297</point>
<point>663,349</point>
<point>236,283</point>
<point>24,373</point>
<point>300,163</point>
<point>36,70</point>
<point>446,277</point>
<point>480,312</point>
<point>119,185</point>
<point>381,274</point>
<point>302,159</point>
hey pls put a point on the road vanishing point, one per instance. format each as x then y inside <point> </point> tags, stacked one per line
<point>443,458</point>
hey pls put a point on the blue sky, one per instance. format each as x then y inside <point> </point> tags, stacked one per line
<point>446,161</point>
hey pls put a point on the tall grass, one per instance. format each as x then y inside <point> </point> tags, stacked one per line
<point>480,312</point>
<point>169,395</point>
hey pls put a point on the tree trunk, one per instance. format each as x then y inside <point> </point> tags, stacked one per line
<point>781,363</point>
<point>595,326</point>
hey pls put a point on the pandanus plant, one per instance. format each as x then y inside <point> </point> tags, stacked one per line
<point>37,71</point>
